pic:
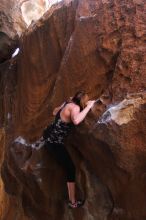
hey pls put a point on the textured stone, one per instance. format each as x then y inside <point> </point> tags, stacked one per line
<point>14,18</point>
<point>32,10</point>
<point>11,21</point>
<point>3,198</point>
<point>97,46</point>
<point>7,46</point>
<point>11,25</point>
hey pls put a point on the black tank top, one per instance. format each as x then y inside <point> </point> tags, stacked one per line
<point>58,130</point>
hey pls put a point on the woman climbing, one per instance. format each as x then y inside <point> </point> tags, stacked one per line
<point>68,115</point>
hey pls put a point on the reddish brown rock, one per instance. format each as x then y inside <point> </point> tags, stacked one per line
<point>3,197</point>
<point>97,46</point>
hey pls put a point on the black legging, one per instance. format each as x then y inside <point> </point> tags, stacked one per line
<point>62,156</point>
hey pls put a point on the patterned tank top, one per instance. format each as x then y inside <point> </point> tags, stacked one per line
<point>58,130</point>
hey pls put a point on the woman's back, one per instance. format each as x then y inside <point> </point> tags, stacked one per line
<point>65,111</point>
<point>60,127</point>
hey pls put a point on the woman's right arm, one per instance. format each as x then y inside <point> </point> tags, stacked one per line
<point>77,116</point>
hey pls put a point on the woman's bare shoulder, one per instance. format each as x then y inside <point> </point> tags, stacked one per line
<point>72,105</point>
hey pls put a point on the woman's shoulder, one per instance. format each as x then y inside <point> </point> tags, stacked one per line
<point>72,105</point>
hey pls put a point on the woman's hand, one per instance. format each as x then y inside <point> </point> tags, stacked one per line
<point>90,103</point>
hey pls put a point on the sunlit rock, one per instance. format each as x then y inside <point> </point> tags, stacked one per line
<point>123,112</point>
<point>32,10</point>
<point>11,22</point>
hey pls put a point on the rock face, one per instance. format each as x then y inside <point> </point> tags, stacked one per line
<point>15,16</point>
<point>97,46</point>
<point>11,26</point>
<point>3,198</point>
<point>33,10</point>
<point>11,21</point>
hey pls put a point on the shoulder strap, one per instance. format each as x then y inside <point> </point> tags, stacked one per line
<point>58,113</point>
